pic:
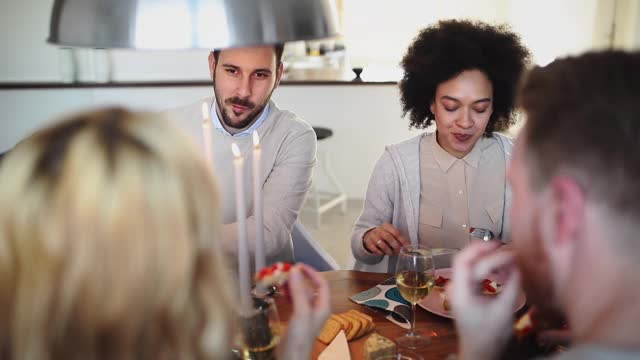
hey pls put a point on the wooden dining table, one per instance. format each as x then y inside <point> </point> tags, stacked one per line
<point>346,283</point>
<point>444,341</point>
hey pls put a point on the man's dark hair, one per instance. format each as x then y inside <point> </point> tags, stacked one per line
<point>583,118</point>
<point>444,50</point>
<point>278,49</point>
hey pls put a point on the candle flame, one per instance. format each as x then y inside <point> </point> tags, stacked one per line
<point>205,111</point>
<point>256,139</point>
<point>235,150</point>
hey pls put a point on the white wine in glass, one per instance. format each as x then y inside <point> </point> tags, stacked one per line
<point>414,277</point>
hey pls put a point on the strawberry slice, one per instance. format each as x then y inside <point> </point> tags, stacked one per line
<point>441,281</point>
<point>275,274</point>
<point>489,287</point>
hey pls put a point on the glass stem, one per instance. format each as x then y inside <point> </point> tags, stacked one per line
<point>413,319</point>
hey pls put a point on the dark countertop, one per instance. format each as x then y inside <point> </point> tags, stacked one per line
<point>297,77</point>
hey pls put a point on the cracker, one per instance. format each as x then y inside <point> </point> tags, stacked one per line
<point>329,331</point>
<point>346,325</point>
<point>367,319</point>
<point>355,326</point>
<point>361,324</point>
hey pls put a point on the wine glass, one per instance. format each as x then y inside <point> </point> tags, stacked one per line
<point>414,277</point>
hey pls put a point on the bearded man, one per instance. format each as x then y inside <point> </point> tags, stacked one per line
<point>243,81</point>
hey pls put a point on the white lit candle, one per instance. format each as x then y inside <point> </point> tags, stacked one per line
<point>241,220</point>
<point>206,134</point>
<point>257,203</point>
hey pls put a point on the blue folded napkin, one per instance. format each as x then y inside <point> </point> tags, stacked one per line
<point>386,296</point>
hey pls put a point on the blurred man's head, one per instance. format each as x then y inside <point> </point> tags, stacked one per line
<point>575,171</point>
<point>243,81</point>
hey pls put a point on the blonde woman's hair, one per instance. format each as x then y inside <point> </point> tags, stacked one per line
<point>108,244</point>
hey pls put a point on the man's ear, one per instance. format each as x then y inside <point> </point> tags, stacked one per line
<point>212,64</point>
<point>431,107</point>
<point>279,72</point>
<point>566,210</point>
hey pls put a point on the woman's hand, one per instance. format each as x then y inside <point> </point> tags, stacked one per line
<point>484,324</point>
<point>385,239</point>
<point>311,307</point>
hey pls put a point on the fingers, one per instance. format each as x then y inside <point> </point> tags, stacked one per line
<point>472,253</point>
<point>384,240</point>
<point>492,263</point>
<point>389,245</point>
<point>309,312</point>
<point>320,284</point>
<point>397,236</point>
<point>510,290</point>
<point>464,283</point>
<point>370,242</point>
<point>298,293</point>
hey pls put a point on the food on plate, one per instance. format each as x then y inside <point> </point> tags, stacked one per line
<point>446,305</point>
<point>440,283</point>
<point>526,324</point>
<point>274,275</point>
<point>354,323</point>
<point>491,287</point>
<point>377,346</point>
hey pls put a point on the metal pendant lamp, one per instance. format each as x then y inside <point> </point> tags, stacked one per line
<point>189,24</point>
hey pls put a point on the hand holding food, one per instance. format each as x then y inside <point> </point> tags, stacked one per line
<point>274,275</point>
<point>309,311</point>
<point>469,296</point>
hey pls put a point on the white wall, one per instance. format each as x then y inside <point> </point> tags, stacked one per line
<point>554,28</point>
<point>24,30</point>
<point>363,118</point>
<point>375,31</point>
<point>379,31</point>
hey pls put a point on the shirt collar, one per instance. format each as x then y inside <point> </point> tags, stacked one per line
<point>256,124</point>
<point>446,160</point>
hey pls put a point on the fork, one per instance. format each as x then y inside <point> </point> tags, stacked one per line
<point>483,234</point>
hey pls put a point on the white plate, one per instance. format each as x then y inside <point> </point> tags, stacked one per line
<point>433,301</point>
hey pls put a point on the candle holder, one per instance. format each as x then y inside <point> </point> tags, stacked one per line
<point>357,71</point>
<point>260,330</point>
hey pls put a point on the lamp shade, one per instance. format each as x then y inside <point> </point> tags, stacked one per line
<point>189,24</point>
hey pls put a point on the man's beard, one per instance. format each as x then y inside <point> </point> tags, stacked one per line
<point>256,110</point>
<point>536,269</point>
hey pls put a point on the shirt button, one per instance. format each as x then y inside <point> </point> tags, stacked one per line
<point>464,225</point>
<point>460,192</point>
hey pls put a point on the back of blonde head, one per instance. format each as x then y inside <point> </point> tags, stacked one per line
<point>107,244</point>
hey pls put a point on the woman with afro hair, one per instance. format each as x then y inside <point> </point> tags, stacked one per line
<point>434,188</point>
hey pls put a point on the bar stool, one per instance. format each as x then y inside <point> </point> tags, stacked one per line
<point>323,201</point>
